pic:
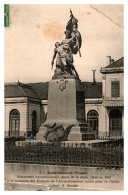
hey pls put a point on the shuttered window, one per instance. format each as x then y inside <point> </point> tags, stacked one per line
<point>115,89</point>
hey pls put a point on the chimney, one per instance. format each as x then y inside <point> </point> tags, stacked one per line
<point>112,61</point>
<point>109,60</point>
<point>94,79</point>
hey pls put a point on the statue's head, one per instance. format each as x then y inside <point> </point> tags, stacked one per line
<point>57,44</point>
<point>67,34</point>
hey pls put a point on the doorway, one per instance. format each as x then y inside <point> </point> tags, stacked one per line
<point>115,123</point>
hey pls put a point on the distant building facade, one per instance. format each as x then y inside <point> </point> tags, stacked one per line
<point>26,104</point>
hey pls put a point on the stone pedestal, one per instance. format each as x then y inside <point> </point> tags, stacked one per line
<point>66,106</point>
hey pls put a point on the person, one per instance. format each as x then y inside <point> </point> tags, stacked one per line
<point>63,55</point>
<point>68,38</point>
<point>70,41</point>
<point>64,51</point>
<point>58,54</point>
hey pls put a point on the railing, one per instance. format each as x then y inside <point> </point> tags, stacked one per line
<point>110,137</point>
<point>108,155</point>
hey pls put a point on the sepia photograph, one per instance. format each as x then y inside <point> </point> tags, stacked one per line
<point>63,97</point>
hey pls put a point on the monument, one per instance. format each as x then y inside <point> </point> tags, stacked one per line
<point>66,101</point>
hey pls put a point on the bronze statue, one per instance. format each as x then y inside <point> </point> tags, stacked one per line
<point>64,51</point>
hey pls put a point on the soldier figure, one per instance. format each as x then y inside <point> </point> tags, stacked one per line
<point>64,51</point>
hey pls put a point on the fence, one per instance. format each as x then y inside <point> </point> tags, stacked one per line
<point>110,138</point>
<point>107,155</point>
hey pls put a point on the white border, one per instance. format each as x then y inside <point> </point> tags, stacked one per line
<point>125,2</point>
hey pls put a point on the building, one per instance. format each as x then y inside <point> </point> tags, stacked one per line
<point>105,112</point>
<point>26,104</point>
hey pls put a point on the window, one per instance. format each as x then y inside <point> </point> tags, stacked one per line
<point>115,89</point>
<point>92,118</point>
<point>14,123</point>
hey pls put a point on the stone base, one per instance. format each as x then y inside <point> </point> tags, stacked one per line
<point>41,133</point>
<point>77,135</point>
<point>79,132</point>
<point>66,102</point>
<point>66,106</point>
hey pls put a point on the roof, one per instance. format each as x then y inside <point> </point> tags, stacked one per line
<point>40,90</point>
<point>117,64</point>
<point>19,90</point>
<point>115,67</point>
<point>93,90</point>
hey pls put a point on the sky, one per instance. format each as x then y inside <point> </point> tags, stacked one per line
<point>34,29</point>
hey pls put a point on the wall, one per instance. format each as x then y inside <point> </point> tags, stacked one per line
<point>102,126</point>
<point>108,110</point>
<point>22,108</point>
<point>113,77</point>
<point>33,106</point>
<point>106,88</point>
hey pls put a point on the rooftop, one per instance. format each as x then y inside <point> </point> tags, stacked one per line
<point>115,67</point>
<point>117,64</point>
<point>40,90</point>
<point>19,90</point>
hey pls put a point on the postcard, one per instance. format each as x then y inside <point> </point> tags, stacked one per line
<point>64,97</point>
